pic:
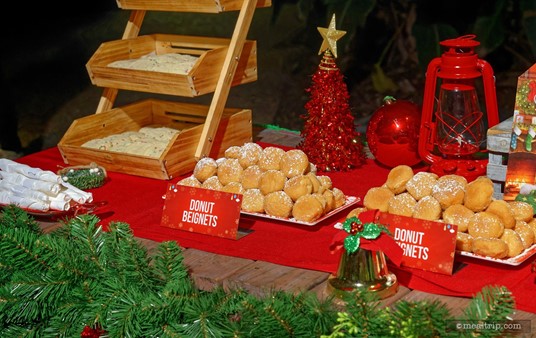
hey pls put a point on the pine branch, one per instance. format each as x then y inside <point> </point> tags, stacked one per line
<point>491,305</point>
<point>81,276</point>
<point>419,319</point>
<point>91,238</point>
<point>19,251</point>
<point>18,236</point>
<point>169,262</point>
<point>131,261</point>
<point>15,217</point>
<point>363,317</point>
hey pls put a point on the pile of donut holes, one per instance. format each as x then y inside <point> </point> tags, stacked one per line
<point>272,181</point>
<point>486,226</point>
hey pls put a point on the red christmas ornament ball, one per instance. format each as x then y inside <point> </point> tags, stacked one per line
<point>393,133</point>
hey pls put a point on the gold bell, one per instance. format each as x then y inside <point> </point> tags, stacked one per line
<point>364,269</point>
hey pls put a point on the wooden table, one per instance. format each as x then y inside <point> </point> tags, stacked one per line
<point>210,270</point>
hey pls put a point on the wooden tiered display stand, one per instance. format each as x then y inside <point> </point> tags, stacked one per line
<point>205,130</point>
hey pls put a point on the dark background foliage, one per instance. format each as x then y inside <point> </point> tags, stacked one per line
<point>385,52</point>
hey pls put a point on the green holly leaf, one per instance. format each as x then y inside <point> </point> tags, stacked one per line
<point>351,243</point>
<point>371,231</point>
<point>347,225</point>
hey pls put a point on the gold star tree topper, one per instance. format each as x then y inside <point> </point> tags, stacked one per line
<point>330,36</point>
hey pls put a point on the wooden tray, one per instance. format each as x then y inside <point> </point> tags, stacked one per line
<point>235,128</point>
<point>201,79</point>
<point>199,6</point>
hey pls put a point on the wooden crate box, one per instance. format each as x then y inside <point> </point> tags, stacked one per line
<point>498,146</point>
<point>201,79</point>
<point>200,6</point>
<point>178,158</point>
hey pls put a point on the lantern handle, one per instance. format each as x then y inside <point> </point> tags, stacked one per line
<point>465,41</point>
<point>490,93</point>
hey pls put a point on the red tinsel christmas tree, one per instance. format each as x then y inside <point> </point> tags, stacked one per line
<point>330,139</point>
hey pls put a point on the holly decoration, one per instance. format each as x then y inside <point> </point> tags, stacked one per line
<point>357,230</point>
<point>330,139</point>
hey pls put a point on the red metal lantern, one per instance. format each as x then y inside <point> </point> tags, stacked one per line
<point>452,126</point>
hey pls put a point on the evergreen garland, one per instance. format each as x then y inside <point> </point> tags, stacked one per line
<point>82,281</point>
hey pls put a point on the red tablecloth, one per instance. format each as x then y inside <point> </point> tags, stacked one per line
<point>138,202</point>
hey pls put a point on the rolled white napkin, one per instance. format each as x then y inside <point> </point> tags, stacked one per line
<point>60,196</point>
<point>11,166</point>
<point>36,189</point>
<point>78,195</point>
<point>59,204</point>
<point>23,191</point>
<point>44,186</point>
<point>23,202</point>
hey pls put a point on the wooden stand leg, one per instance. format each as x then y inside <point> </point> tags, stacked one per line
<point>226,77</point>
<point>131,31</point>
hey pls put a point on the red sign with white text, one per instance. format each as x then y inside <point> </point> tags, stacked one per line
<point>204,211</point>
<point>426,245</point>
